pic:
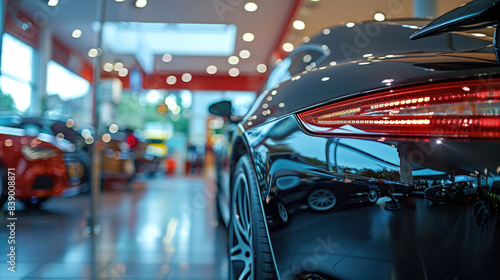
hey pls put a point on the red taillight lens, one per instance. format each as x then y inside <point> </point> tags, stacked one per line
<point>467,109</point>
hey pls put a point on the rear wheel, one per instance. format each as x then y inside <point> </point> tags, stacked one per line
<point>372,196</point>
<point>321,200</point>
<point>249,250</point>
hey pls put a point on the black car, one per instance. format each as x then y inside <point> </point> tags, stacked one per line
<point>463,191</point>
<point>392,101</point>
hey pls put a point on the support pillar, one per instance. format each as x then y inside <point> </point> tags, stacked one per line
<point>42,57</point>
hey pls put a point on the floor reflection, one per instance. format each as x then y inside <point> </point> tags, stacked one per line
<point>163,229</point>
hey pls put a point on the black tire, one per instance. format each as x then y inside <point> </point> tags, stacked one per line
<point>322,200</point>
<point>258,251</point>
<point>34,204</point>
<point>3,186</point>
<point>372,196</point>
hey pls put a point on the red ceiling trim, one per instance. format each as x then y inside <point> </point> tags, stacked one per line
<point>13,21</point>
<point>61,53</point>
<point>198,82</point>
<point>74,61</point>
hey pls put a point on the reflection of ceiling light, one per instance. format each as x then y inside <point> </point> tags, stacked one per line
<point>244,54</point>
<point>251,7</point>
<point>233,60</point>
<point>119,0</point>
<point>123,72</point>
<point>261,68</point>
<point>166,57</point>
<point>141,3</point>
<point>118,66</point>
<point>113,128</point>
<point>326,31</point>
<point>288,47</point>
<point>77,33</point>
<point>234,72</point>
<point>379,17</point>
<point>108,67</point>
<point>248,37</point>
<point>186,77</point>
<point>314,0</point>
<point>479,34</point>
<point>93,52</point>
<point>171,80</point>
<point>350,24</point>
<point>212,69</point>
<point>306,39</point>
<point>53,3</point>
<point>299,25</point>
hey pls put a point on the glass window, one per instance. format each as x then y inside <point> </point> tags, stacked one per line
<point>17,58</point>
<point>19,91</point>
<point>64,83</point>
<point>17,69</point>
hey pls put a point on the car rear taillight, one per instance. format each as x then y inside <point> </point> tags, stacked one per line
<point>466,109</point>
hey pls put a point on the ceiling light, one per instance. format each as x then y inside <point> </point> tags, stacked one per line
<point>212,69</point>
<point>108,67</point>
<point>326,31</point>
<point>171,80</point>
<point>119,0</point>
<point>248,37</point>
<point>299,25</point>
<point>141,3</point>
<point>234,72</point>
<point>479,34</point>
<point>118,66</point>
<point>350,24</point>
<point>314,0</point>
<point>166,57</point>
<point>233,60</point>
<point>77,33</point>
<point>379,17</point>
<point>288,47</point>
<point>244,54</point>
<point>306,39</point>
<point>186,77</point>
<point>261,68</point>
<point>123,72</point>
<point>53,3</point>
<point>93,52</point>
<point>251,7</point>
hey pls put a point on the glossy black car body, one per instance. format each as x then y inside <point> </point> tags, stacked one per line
<point>463,191</point>
<point>277,142</point>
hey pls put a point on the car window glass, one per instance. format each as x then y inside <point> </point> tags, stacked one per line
<point>302,60</point>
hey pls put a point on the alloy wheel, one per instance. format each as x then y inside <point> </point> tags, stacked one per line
<point>372,196</point>
<point>241,239</point>
<point>321,200</point>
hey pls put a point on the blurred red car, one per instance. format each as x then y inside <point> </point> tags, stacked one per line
<point>39,167</point>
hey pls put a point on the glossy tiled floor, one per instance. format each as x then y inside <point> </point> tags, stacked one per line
<point>163,229</point>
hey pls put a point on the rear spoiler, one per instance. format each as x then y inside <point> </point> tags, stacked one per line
<point>473,15</point>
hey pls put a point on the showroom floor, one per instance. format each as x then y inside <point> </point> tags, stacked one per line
<point>163,229</point>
